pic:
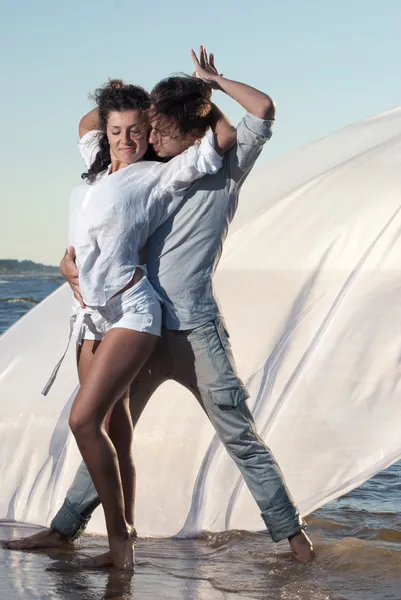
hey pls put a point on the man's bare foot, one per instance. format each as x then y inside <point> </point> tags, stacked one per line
<point>48,538</point>
<point>301,547</point>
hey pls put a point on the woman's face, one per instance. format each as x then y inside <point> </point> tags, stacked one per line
<point>127,132</point>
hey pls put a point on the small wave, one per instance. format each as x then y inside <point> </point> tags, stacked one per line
<point>19,300</point>
<point>228,538</point>
<point>3,281</point>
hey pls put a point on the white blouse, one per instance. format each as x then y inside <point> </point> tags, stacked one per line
<point>111,219</point>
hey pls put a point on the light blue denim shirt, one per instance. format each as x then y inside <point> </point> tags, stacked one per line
<point>183,253</point>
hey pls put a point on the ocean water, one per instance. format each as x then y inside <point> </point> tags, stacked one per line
<point>18,294</point>
<point>357,540</point>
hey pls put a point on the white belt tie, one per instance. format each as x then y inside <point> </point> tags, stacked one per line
<point>76,323</point>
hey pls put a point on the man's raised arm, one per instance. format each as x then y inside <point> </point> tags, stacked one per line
<point>255,128</point>
<point>254,101</point>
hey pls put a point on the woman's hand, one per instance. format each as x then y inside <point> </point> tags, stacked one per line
<point>69,271</point>
<point>205,68</point>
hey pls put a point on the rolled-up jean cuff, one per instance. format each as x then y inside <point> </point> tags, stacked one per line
<point>68,523</point>
<point>283,521</point>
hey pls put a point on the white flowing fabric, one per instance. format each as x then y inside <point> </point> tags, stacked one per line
<point>310,283</point>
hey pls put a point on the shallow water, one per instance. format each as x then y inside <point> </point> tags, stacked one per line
<point>228,565</point>
<point>357,540</point>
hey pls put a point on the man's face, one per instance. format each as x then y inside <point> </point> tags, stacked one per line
<point>167,141</point>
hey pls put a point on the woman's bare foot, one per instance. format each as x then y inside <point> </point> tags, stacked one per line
<point>123,558</point>
<point>101,561</point>
<point>48,538</point>
<point>301,547</point>
<point>106,560</point>
<point>122,550</point>
<point>122,553</point>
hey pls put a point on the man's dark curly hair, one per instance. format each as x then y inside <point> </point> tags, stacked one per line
<point>115,96</point>
<point>182,103</point>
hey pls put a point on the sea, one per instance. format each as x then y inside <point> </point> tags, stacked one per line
<point>357,540</point>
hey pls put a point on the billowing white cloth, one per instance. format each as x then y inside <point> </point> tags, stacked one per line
<point>315,327</point>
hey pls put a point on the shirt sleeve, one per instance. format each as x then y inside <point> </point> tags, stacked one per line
<point>176,176</point>
<point>252,134</point>
<point>89,147</point>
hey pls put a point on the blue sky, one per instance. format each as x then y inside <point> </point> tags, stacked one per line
<point>326,64</point>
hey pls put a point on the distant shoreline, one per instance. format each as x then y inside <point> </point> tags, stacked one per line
<point>25,268</point>
<point>39,274</point>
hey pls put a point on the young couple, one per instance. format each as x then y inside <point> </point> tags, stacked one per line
<point>139,325</point>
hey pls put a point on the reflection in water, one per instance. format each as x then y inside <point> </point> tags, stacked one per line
<point>165,569</point>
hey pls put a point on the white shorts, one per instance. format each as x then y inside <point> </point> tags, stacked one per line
<point>137,308</point>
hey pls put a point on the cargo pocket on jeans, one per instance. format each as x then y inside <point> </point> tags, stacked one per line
<point>228,398</point>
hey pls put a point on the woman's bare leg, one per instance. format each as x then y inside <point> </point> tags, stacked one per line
<point>85,353</point>
<point>115,363</point>
<point>119,426</point>
<point>121,433</point>
<point>151,376</point>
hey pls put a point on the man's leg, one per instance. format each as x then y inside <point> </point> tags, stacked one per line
<point>204,363</point>
<point>82,499</point>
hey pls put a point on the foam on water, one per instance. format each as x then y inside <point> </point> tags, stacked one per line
<point>19,300</point>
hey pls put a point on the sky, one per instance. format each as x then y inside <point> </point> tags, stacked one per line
<point>326,64</point>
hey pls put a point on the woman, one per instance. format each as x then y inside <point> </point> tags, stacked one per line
<point>118,328</point>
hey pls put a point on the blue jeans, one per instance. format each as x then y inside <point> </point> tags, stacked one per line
<point>201,359</point>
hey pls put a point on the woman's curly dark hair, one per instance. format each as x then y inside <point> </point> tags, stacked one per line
<point>115,96</point>
<point>182,103</point>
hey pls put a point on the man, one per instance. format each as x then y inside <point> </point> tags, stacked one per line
<point>194,349</point>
